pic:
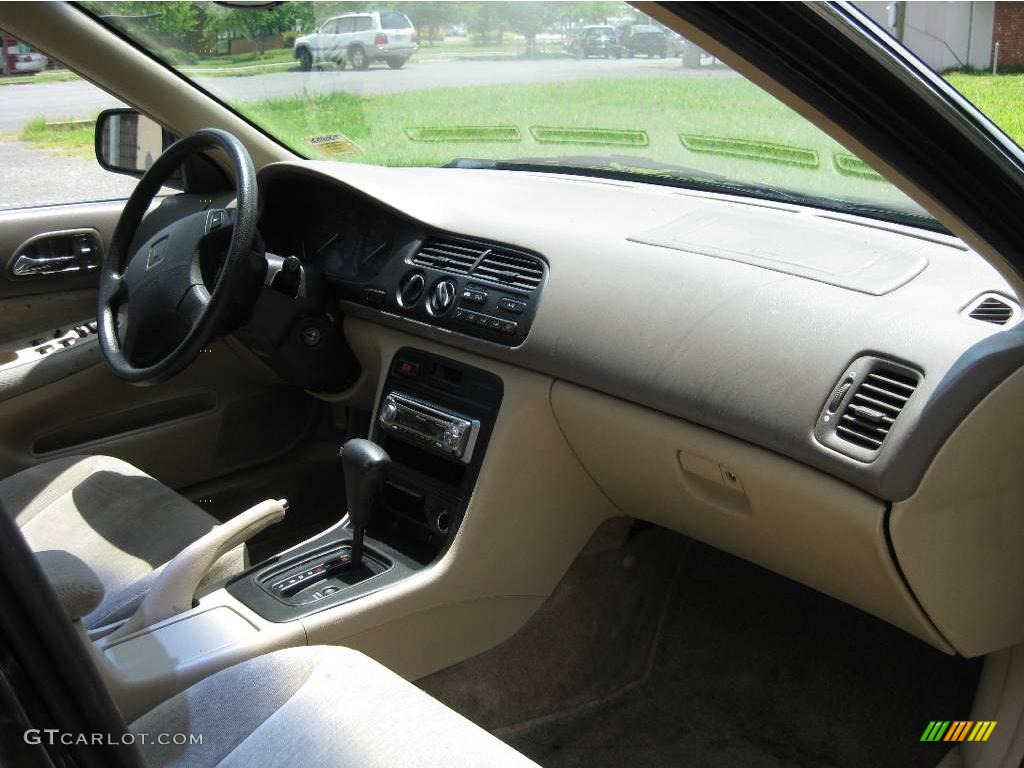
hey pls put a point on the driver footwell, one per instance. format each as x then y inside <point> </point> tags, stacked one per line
<point>659,651</point>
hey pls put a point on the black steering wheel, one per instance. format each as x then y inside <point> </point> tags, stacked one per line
<point>162,300</point>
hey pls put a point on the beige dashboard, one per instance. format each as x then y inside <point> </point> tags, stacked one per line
<point>676,367</point>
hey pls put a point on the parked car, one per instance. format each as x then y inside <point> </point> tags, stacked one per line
<point>359,39</point>
<point>22,61</point>
<point>596,40</point>
<point>644,40</point>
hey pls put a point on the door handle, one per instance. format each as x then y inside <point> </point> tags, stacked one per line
<point>55,253</point>
<point>27,266</point>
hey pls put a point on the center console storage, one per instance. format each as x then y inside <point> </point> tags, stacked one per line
<point>407,491</point>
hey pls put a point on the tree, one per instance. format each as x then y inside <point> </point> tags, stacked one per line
<point>258,23</point>
<point>428,17</point>
<point>482,19</point>
<point>527,18</point>
<point>177,20</point>
<point>594,12</point>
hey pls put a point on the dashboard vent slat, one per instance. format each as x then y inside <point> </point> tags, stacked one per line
<point>993,310</point>
<point>874,407</point>
<point>495,264</point>
<point>447,256</point>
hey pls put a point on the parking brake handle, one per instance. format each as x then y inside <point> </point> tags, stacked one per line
<point>175,588</point>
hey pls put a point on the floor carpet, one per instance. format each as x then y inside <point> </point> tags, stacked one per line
<point>746,668</point>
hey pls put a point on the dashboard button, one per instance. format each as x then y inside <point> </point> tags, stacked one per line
<point>374,296</point>
<point>508,327</point>
<point>407,368</point>
<point>511,305</point>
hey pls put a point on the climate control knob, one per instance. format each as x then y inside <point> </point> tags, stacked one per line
<point>410,289</point>
<point>442,297</point>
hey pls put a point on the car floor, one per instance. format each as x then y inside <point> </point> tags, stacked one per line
<point>658,651</point>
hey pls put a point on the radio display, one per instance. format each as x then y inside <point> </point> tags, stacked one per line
<point>429,428</point>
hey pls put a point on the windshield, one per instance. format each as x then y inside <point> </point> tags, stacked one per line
<point>548,85</point>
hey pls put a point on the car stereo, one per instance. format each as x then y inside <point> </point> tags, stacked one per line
<point>429,426</point>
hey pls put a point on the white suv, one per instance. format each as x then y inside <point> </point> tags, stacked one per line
<point>359,39</point>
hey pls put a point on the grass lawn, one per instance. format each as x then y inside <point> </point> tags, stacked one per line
<point>719,124</point>
<point>273,56</point>
<point>641,116</point>
<point>1001,97</point>
<point>49,76</point>
<point>241,64</point>
<point>72,139</point>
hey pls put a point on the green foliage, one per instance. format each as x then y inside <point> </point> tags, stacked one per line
<point>428,17</point>
<point>595,12</point>
<point>483,19</point>
<point>259,23</point>
<point>172,19</point>
<point>179,58</point>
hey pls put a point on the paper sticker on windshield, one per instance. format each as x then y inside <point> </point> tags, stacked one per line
<point>334,144</point>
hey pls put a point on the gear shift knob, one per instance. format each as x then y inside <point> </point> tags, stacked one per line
<point>364,464</point>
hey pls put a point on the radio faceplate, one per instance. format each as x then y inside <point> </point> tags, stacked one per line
<point>429,426</point>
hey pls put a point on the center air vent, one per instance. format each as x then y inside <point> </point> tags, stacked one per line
<point>864,406</point>
<point>494,264</point>
<point>992,309</point>
<point>871,412</point>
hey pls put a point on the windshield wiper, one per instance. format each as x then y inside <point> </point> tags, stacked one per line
<point>630,168</point>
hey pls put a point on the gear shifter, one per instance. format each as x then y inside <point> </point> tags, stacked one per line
<point>364,464</point>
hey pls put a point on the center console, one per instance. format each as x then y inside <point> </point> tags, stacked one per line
<point>407,491</point>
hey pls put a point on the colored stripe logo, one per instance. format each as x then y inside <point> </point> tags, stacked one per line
<point>958,730</point>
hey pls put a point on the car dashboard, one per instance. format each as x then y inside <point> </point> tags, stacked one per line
<point>840,352</point>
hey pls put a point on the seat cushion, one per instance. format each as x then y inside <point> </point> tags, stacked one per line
<point>117,519</point>
<point>320,705</point>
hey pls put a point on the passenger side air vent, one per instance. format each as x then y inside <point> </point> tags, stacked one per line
<point>512,269</point>
<point>992,309</point>
<point>494,264</point>
<point>874,407</point>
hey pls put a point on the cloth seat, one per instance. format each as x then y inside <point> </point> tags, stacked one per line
<point>120,521</point>
<point>319,705</point>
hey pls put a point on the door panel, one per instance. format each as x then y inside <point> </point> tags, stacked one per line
<point>224,413</point>
<point>31,305</point>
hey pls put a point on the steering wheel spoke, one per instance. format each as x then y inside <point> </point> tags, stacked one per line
<point>194,304</point>
<point>113,290</point>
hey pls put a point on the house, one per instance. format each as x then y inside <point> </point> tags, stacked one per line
<point>955,35</point>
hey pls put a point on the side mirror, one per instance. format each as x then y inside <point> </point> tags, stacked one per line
<point>129,142</point>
